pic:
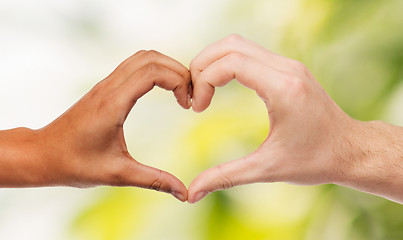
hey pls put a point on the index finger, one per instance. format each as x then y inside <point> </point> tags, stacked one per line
<point>236,43</point>
<point>249,72</point>
<point>143,57</point>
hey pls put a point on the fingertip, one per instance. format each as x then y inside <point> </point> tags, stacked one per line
<point>196,187</point>
<point>152,178</point>
<point>178,189</point>
<point>184,105</point>
<point>197,197</point>
<point>182,97</point>
<point>202,97</point>
<point>223,176</point>
<point>197,107</point>
<point>180,196</point>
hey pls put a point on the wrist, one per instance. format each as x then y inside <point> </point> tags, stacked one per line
<point>51,155</point>
<point>369,159</point>
<point>20,158</point>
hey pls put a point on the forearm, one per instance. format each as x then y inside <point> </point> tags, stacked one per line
<point>20,160</point>
<point>374,159</point>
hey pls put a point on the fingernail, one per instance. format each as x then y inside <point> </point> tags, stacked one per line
<point>199,196</point>
<point>179,196</point>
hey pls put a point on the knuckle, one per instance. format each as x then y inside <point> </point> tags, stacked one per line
<point>152,55</point>
<point>233,38</point>
<point>151,69</point>
<point>100,86</point>
<point>140,52</point>
<point>108,104</point>
<point>97,91</point>
<point>296,85</point>
<point>298,66</point>
<point>157,183</point>
<point>225,181</point>
<point>130,60</point>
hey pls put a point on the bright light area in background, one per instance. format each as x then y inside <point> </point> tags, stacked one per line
<point>50,50</point>
<point>47,64</point>
<point>53,52</point>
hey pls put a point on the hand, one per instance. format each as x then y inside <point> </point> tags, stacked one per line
<point>86,147</point>
<point>307,135</point>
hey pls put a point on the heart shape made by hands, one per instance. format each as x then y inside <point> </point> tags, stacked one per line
<point>299,147</point>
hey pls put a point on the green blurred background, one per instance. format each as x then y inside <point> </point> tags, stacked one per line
<point>52,53</point>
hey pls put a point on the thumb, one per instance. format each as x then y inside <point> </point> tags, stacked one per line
<point>140,175</point>
<point>238,172</point>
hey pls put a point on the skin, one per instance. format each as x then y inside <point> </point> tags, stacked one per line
<point>311,140</point>
<point>85,146</point>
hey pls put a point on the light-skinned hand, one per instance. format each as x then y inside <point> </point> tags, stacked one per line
<point>310,141</point>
